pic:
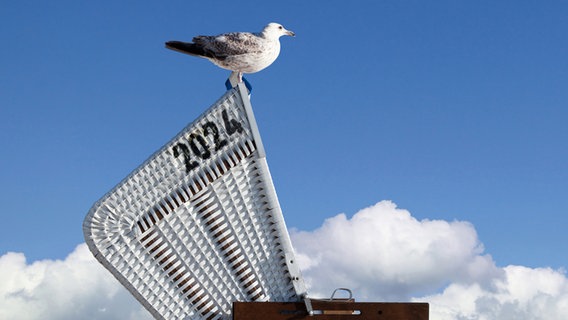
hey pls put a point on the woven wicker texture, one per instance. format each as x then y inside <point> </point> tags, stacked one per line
<point>198,225</point>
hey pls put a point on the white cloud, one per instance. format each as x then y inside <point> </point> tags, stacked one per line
<point>382,253</point>
<point>75,288</point>
<point>524,293</point>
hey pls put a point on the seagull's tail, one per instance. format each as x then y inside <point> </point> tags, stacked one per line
<point>187,48</point>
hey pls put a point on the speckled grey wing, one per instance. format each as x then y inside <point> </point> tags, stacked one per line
<point>229,44</point>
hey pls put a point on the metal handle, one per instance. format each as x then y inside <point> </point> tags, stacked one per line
<point>341,289</point>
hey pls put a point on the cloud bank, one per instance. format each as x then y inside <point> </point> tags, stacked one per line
<point>382,253</point>
<point>75,288</point>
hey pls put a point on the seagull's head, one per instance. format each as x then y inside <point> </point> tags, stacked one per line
<point>276,30</point>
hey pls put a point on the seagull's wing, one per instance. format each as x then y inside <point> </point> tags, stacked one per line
<point>187,48</point>
<point>228,44</point>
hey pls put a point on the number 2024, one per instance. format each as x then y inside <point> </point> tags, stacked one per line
<point>209,128</point>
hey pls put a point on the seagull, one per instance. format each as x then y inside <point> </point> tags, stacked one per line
<point>240,52</point>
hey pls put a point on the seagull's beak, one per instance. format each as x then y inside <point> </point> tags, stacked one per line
<point>290,33</point>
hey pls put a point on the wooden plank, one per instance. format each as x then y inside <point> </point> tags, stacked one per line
<point>330,310</point>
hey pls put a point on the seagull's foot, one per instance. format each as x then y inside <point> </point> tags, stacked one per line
<point>234,79</point>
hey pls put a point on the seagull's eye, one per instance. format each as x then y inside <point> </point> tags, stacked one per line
<point>280,27</point>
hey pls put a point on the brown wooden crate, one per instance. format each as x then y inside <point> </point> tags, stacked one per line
<point>330,310</point>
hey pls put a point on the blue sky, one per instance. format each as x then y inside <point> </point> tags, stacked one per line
<point>453,110</point>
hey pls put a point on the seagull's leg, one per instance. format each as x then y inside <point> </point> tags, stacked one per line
<point>233,79</point>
